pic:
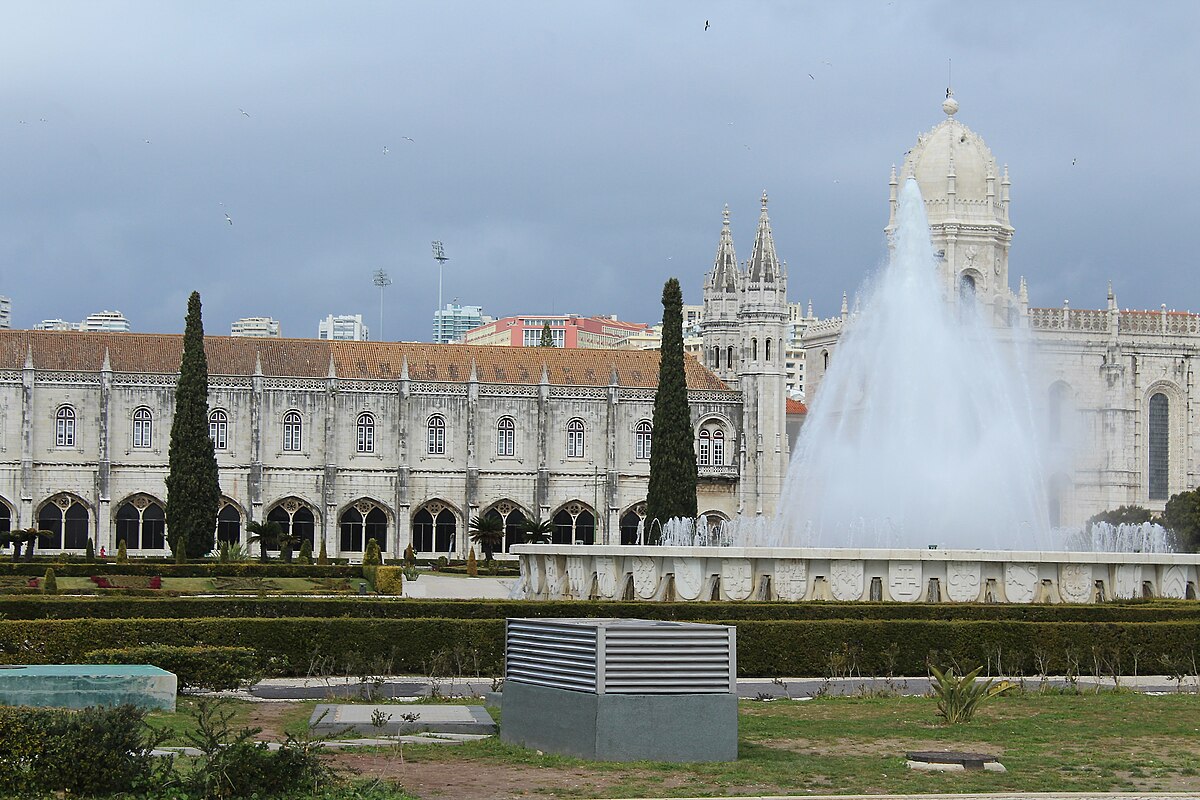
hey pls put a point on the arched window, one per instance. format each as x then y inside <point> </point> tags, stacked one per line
<point>143,429</point>
<point>729,357</point>
<point>5,518</point>
<point>141,524</point>
<point>229,524</point>
<point>295,519</point>
<point>575,438</point>
<point>767,350</point>
<point>434,529</point>
<point>293,432</point>
<point>218,429</point>
<point>437,435</point>
<point>825,358</point>
<point>64,427</point>
<point>1057,411</point>
<point>716,358</point>
<point>68,523</point>
<point>513,520</point>
<point>711,449</point>
<point>359,524</point>
<point>642,435</point>
<point>574,524</point>
<point>629,523</point>
<point>966,289</point>
<point>718,456</point>
<point>506,437</point>
<point>1159,442</point>
<point>754,349</point>
<point>366,433</point>
<point>705,447</point>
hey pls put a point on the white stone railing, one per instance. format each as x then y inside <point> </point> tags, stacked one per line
<point>1068,319</point>
<point>551,572</point>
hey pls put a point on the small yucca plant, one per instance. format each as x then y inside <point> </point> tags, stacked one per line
<point>959,696</point>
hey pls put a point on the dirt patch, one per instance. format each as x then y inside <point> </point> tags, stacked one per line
<point>271,717</point>
<point>872,747</point>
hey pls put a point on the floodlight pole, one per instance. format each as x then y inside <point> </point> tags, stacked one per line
<point>382,281</point>
<point>439,255</point>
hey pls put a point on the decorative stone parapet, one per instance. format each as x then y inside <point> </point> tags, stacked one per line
<point>554,572</point>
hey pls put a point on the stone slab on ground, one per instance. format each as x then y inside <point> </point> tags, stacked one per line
<point>331,691</point>
<point>333,719</point>
<point>446,587</point>
<point>82,685</point>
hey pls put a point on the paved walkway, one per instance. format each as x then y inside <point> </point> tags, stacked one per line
<point>448,587</point>
<point>998,796</point>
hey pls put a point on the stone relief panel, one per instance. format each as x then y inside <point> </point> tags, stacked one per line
<point>645,576</point>
<point>579,576</point>
<point>606,577</point>
<point>791,578</point>
<point>1173,582</point>
<point>737,578</point>
<point>1075,583</point>
<point>846,580</point>
<point>689,578</point>
<point>1020,582</point>
<point>554,576</point>
<point>904,580</point>
<point>1128,581</point>
<point>963,579</point>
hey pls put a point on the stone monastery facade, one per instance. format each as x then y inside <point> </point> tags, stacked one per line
<point>1115,390</point>
<point>348,441</point>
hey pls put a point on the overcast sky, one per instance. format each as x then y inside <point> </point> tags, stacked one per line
<point>570,155</point>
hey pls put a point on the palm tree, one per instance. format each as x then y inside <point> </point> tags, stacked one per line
<point>537,530</point>
<point>11,537</point>
<point>28,537</point>
<point>487,531</point>
<point>286,542</point>
<point>264,534</point>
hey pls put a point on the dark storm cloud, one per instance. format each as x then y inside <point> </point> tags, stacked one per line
<point>571,156</point>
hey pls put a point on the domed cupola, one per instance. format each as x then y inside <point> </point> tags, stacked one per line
<point>966,199</point>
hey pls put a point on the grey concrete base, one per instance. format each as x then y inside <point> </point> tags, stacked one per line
<point>83,685</point>
<point>337,719</point>
<point>621,727</point>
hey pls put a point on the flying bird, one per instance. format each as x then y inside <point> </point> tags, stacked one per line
<point>244,112</point>
<point>705,24</point>
<point>408,138</point>
<point>147,141</point>
<point>228,218</point>
<point>811,76</point>
<point>1073,160</point>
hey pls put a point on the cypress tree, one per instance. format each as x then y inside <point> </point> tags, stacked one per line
<point>672,491</point>
<point>193,487</point>
<point>547,339</point>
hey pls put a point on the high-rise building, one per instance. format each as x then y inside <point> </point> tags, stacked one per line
<point>56,325</point>
<point>113,321</point>
<point>450,324</point>
<point>344,327</point>
<point>257,327</point>
<point>5,312</point>
<point>568,331</point>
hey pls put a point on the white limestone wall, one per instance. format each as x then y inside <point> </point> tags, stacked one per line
<point>793,574</point>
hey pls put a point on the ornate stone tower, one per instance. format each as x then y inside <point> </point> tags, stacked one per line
<point>722,300</point>
<point>966,199</point>
<point>762,371</point>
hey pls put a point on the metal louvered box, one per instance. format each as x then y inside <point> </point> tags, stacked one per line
<point>622,689</point>
<point>622,656</point>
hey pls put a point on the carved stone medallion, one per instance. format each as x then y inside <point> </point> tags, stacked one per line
<point>606,576</point>
<point>1129,578</point>
<point>846,580</point>
<point>1075,583</point>
<point>689,578</point>
<point>554,577</point>
<point>645,576</point>
<point>578,576</point>
<point>1020,582</point>
<point>904,580</point>
<point>1173,583</point>
<point>962,581</point>
<point>737,578</point>
<point>791,578</point>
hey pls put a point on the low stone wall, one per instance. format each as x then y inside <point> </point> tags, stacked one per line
<point>552,572</point>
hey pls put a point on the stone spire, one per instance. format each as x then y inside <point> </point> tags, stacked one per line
<point>764,264</point>
<point>724,275</point>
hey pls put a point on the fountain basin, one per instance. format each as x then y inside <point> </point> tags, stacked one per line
<point>82,685</point>
<point>610,572</point>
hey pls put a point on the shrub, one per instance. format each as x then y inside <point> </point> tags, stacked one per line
<point>323,556</point>
<point>90,752</point>
<point>200,667</point>
<point>89,553</point>
<point>372,555</point>
<point>441,563</point>
<point>959,696</point>
<point>472,564</point>
<point>50,582</point>
<point>410,557</point>
<point>169,569</point>
<point>389,580</point>
<point>122,553</point>
<point>306,552</point>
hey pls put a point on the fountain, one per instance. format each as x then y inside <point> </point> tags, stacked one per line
<point>922,438</point>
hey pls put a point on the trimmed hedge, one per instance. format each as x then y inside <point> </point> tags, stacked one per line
<point>389,580</point>
<point>155,605</point>
<point>246,569</point>
<point>205,667</point>
<point>290,646</point>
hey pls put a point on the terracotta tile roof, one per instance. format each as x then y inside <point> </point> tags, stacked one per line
<point>71,351</point>
<point>795,407</point>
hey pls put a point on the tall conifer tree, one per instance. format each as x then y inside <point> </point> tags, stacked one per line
<point>193,486</point>
<point>547,339</point>
<point>672,490</point>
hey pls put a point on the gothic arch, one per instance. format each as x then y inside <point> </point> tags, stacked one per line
<point>295,516</point>
<point>435,526</point>
<point>1162,457</point>
<point>291,504</point>
<point>140,521</point>
<point>574,523</point>
<point>514,515</point>
<point>361,520</point>
<point>231,517</point>
<point>628,522</point>
<point>8,515</point>
<point>69,517</point>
